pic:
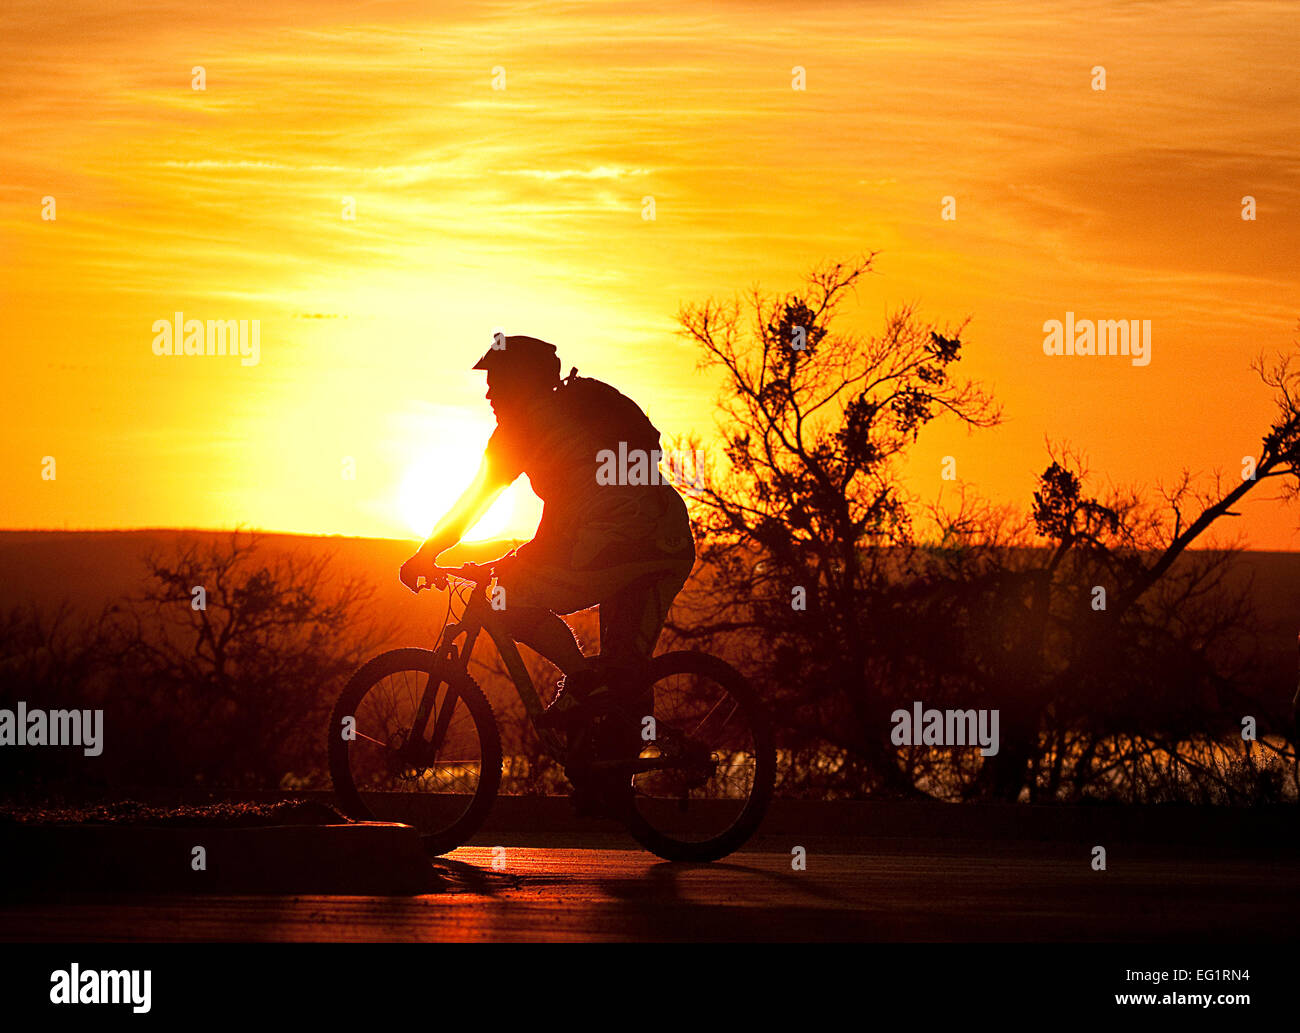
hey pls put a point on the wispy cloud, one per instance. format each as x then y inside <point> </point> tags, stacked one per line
<point>473,207</point>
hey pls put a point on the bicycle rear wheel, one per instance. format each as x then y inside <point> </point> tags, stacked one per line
<point>444,788</point>
<point>713,756</point>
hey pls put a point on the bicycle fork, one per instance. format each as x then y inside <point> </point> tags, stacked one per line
<point>417,750</point>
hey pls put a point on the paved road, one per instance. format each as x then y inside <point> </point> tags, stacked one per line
<point>889,891</point>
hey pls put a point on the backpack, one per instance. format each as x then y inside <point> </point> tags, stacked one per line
<point>609,415</point>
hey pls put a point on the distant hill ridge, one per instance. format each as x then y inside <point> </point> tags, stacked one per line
<point>93,568</point>
<point>90,569</point>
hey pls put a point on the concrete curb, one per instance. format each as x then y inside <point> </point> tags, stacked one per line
<point>362,858</point>
<point>1161,825</point>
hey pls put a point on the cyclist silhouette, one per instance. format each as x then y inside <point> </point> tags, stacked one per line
<point>625,547</point>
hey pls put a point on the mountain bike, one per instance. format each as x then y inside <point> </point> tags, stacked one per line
<point>681,753</point>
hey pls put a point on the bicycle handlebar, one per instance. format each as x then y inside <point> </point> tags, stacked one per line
<point>479,573</point>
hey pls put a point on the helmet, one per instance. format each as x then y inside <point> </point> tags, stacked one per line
<point>526,355</point>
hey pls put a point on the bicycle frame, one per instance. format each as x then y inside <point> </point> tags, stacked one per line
<point>479,616</point>
<point>596,752</point>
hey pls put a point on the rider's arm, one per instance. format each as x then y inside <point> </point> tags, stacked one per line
<point>488,484</point>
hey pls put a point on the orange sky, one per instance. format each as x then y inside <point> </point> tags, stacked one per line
<point>520,209</point>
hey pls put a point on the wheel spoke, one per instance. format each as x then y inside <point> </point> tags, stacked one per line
<point>713,762</point>
<point>385,773</point>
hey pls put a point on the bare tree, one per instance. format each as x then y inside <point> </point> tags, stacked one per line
<point>804,531</point>
<point>242,654</point>
<point>813,569</point>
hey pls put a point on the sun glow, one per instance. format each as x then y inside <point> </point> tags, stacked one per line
<point>432,486</point>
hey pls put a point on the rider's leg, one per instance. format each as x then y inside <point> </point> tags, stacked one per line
<point>630,625</point>
<point>534,600</point>
<point>628,628</point>
<point>633,618</point>
<point>548,634</point>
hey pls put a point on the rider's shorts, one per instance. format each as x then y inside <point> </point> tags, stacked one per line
<point>631,556</point>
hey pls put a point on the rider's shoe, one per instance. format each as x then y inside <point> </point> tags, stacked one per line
<point>573,701</point>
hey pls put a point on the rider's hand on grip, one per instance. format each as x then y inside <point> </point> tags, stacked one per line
<point>418,569</point>
<point>409,577</point>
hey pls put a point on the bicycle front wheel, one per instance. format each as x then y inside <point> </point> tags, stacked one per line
<point>441,779</point>
<point>708,759</point>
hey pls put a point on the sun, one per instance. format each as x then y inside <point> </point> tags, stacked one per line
<point>434,483</point>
